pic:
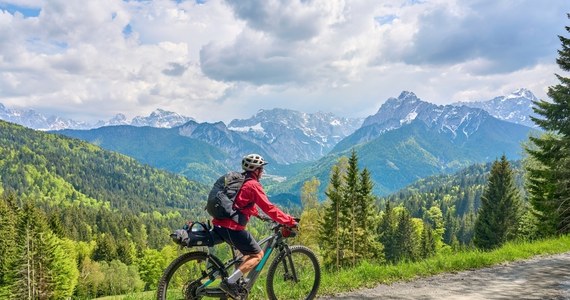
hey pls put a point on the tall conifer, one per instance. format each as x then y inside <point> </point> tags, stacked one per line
<point>329,234</point>
<point>500,212</point>
<point>43,268</point>
<point>548,183</point>
<point>8,222</point>
<point>386,233</point>
<point>351,200</point>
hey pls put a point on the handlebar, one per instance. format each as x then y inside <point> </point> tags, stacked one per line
<point>286,231</point>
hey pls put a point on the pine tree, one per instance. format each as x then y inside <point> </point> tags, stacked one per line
<point>500,212</point>
<point>548,182</point>
<point>386,233</point>
<point>404,238</point>
<point>351,203</point>
<point>44,269</point>
<point>329,233</point>
<point>8,246</point>
<point>428,244</point>
<point>367,219</point>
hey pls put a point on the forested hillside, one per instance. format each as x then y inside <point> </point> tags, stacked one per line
<point>104,216</point>
<point>399,157</point>
<point>58,170</point>
<point>162,148</point>
<point>457,195</point>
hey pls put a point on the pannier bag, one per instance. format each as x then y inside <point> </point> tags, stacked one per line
<point>195,234</point>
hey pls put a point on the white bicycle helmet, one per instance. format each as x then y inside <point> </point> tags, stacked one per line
<point>251,162</point>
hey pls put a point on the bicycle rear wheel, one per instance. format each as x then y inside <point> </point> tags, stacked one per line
<point>182,279</point>
<point>281,283</point>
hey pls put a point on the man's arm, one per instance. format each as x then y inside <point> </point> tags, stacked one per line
<point>270,209</point>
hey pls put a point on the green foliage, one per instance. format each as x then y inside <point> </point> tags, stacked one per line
<point>91,279</point>
<point>549,168</point>
<point>120,278</point>
<point>400,157</point>
<point>311,215</point>
<point>8,246</point>
<point>44,267</point>
<point>347,231</point>
<point>63,171</point>
<point>162,148</point>
<point>405,239</point>
<point>501,209</point>
<point>330,227</point>
<point>151,264</point>
<point>387,233</point>
<point>369,274</point>
<point>457,196</point>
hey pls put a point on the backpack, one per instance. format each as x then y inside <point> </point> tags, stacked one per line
<point>220,203</point>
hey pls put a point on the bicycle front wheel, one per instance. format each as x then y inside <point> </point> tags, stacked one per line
<point>294,277</point>
<point>183,278</point>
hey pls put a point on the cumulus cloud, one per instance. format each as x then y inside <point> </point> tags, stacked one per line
<point>504,36</point>
<point>97,58</point>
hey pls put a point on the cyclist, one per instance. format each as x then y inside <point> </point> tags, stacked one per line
<point>250,195</point>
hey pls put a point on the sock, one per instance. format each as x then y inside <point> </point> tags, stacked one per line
<point>235,276</point>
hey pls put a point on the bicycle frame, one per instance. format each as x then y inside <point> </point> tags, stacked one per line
<point>271,242</point>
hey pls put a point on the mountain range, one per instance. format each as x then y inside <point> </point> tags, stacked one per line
<point>407,139</point>
<point>515,107</point>
<point>30,118</point>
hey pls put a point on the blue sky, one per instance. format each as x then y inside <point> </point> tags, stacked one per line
<point>220,60</point>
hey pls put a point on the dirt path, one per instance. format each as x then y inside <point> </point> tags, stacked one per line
<point>538,278</point>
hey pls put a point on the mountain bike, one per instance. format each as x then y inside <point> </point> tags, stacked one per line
<point>294,273</point>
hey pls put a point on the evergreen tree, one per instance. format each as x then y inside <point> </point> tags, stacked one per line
<point>329,233</point>
<point>44,268</point>
<point>351,202</point>
<point>8,246</point>
<point>428,244</point>
<point>404,236</point>
<point>386,233</point>
<point>367,213</point>
<point>548,182</point>
<point>500,212</point>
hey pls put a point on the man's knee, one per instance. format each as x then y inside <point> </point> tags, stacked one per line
<point>258,256</point>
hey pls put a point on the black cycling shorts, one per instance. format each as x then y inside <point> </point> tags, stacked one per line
<point>241,239</point>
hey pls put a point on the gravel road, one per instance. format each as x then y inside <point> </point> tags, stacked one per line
<point>546,277</point>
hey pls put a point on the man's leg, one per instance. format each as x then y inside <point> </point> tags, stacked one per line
<point>250,261</point>
<point>248,246</point>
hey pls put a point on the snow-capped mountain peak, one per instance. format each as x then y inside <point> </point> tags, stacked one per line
<point>515,107</point>
<point>407,96</point>
<point>395,113</point>
<point>162,119</point>
<point>292,136</point>
<point>38,121</point>
<point>521,93</point>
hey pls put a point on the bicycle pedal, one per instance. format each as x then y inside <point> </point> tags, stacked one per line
<point>243,281</point>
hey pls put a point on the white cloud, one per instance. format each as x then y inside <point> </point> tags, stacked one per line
<point>222,60</point>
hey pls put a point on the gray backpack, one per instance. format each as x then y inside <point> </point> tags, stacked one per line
<point>221,199</point>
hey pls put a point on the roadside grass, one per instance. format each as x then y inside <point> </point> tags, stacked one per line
<point>149,295</point>
<point>370,274</point>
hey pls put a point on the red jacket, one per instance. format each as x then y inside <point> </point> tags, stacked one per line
<point>250,193</point>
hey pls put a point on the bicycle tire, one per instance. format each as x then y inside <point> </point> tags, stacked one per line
<point>183,286</point>
<point>308,272</point>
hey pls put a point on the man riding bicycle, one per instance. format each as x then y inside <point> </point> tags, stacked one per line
<point>250,195</point>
